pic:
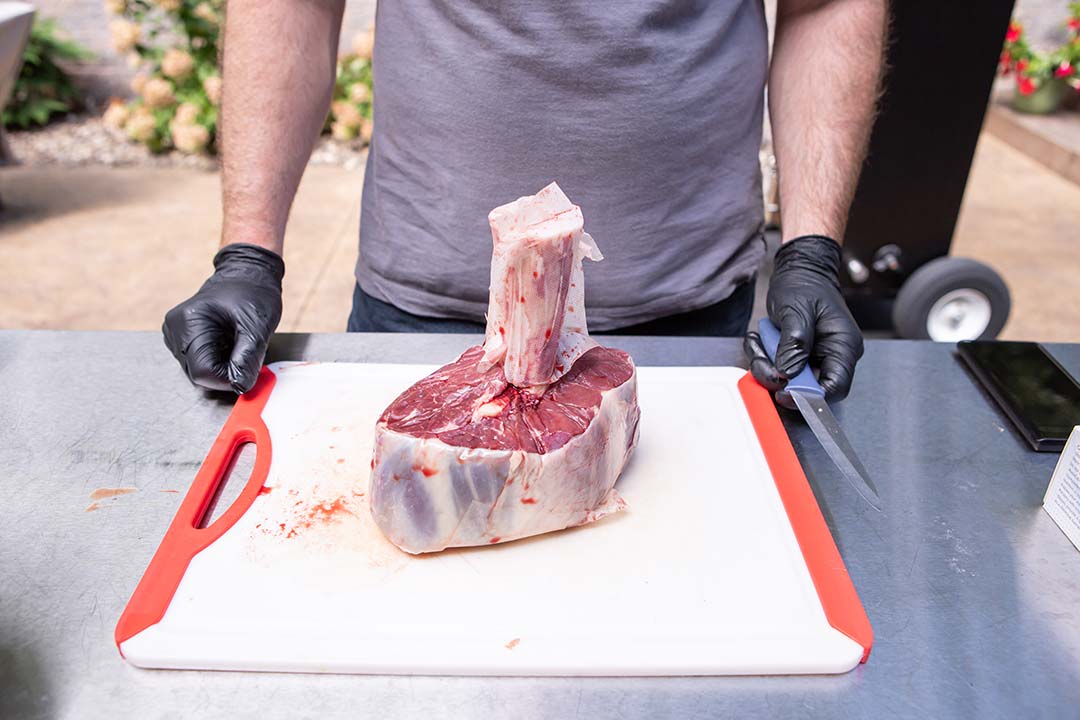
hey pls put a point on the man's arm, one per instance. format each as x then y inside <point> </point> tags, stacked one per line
<point>823,88</point>
<point>278,72</point>
<point>279,67</point>
<point>823,85</point>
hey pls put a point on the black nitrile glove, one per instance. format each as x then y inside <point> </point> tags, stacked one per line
<point>219,336</point>
<point>804,301</point>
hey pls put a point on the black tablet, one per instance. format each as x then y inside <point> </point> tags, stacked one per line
<point>1040,397</point>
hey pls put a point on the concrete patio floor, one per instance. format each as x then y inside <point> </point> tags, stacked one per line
<point>107,248</point>
<point>115,248</point>
<point>1023,219</point>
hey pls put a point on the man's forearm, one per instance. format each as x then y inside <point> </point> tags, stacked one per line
<point>279,66</point>
<point>823,87</point>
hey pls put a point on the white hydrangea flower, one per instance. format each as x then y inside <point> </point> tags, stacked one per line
<point>158,93</point>
<point>342,132</point>
<point>125,35</point>
<point>347,114</point>
<point>138,83</point>
<point>116,115</point>
<point>189,138</point>
<point>203,11</point>
<point>186,114</point>
<point>364,43</point>
<point>176,64</point>
<point>359,93</point>
<point>140,126</point>
<point>212,86</point>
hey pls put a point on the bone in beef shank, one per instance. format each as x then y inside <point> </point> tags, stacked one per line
<point>526,433</point>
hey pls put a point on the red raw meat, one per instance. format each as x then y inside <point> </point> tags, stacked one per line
<point>527,433</point>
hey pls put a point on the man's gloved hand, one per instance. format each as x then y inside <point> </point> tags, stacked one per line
<point>804,301</point>
<point>220,334</point>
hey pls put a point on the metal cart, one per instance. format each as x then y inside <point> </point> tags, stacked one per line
<point>896,250</point>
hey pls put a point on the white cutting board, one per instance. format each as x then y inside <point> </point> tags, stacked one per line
<point>703,574</point>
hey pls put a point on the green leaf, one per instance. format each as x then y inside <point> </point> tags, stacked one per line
<point>54,105</point>
<point>38,113</point>
<point>43,88</point>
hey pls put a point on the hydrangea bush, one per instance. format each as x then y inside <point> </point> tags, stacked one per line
<point>175,46</point>
<point>350,111</point>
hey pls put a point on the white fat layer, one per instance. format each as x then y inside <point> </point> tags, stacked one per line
<point>534,493</point>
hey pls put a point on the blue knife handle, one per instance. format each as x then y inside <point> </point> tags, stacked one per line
<point>804,382</point>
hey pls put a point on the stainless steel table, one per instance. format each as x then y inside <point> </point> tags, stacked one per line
<point>973,592</point>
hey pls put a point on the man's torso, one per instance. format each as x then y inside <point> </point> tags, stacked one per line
<point>648,114</point>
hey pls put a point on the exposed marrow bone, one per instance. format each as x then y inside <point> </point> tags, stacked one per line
<point>536,324</point>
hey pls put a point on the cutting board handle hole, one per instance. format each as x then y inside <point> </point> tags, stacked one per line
<point>232,482</point>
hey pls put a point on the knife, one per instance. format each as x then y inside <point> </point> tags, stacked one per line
<point>810,400</point>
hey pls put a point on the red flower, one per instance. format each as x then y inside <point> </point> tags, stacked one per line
<point>1064,69</point>
<point>1074,24</point>
<point>1005,63</point>
<point>1025,85</point>
<point>1013,33</point>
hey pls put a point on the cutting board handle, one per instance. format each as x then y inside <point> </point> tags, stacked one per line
<point>185,538</point>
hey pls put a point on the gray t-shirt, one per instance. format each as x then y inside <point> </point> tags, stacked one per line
<point>647,113</point>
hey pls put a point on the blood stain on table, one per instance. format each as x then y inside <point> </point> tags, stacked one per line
<point>105,493</point>
<point>304,516</point>
<point>102,493</point>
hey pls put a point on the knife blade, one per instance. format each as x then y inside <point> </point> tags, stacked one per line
<point>810,400</point>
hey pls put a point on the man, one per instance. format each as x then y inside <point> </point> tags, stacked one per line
<point>648,113</point>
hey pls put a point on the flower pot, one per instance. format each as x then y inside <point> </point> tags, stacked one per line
<point>1045,100</point>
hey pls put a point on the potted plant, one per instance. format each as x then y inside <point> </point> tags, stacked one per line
<point>43,89</point>
<point>1042,78</point>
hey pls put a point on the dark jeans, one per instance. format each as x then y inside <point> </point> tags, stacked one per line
<point>727,318</point>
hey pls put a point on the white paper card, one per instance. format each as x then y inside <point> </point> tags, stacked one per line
<point>1062,499</point>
